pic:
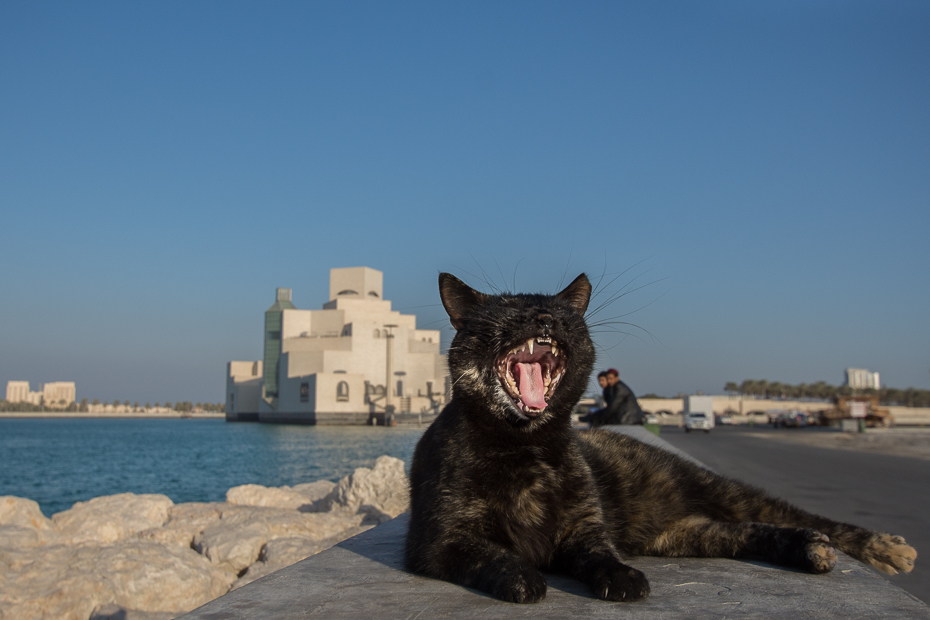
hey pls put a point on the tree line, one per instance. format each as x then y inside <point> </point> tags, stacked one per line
<point>84,406</point>
<point>910,397</point>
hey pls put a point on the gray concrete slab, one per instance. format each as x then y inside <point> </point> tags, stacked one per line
<point>877,491</point>
<point>363,578</point>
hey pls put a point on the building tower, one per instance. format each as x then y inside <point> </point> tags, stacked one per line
<point>273,341</point>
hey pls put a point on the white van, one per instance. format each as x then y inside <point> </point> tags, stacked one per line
<point>699,413</point>
<point>698,421</point>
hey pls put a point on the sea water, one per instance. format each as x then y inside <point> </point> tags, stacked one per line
<point>61,461</point>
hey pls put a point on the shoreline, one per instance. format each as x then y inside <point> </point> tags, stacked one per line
<point>133,555</point>
<point>121,415</point>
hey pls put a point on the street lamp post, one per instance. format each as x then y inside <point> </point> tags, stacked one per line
<point>389,371</point>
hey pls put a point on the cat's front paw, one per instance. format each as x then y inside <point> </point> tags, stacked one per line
<point>890,554</point>
<point>620,582</point>
<point>819,554</point>
<point>524,586</point>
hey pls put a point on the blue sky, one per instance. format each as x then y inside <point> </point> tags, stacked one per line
<point>764,168</point>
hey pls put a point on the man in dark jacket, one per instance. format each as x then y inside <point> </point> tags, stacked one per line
<point>622,406</point>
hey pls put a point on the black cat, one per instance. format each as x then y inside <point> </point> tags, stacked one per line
<point>503,487</point>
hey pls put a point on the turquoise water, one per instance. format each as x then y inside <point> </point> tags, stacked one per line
<point>58,462</point>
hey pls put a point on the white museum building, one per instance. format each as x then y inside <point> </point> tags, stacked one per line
<point>356,361</point>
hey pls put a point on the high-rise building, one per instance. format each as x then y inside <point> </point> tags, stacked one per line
<point>860,378</point>
<point>352,362</point>
<point>55,394</point>
<point>18,392</point>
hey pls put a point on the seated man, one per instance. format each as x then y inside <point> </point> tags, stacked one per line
<point>622,406</point>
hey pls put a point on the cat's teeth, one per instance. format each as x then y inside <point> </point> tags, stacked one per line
<point>529,343</point>
<point>555,350</point>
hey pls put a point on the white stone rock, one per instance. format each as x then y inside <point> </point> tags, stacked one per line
<point>15,537</point>
<point>129,556</point>
<point>184,522</point>
<point>314,491</point>
<point>69,582</point>
<point>304,497</point>
<point>382,493</point>
<point>235,541</point>
<point>111,518</point>
<point>23,512</point>
<point>268,497</point>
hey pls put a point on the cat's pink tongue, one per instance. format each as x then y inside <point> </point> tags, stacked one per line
<point>529,379</point>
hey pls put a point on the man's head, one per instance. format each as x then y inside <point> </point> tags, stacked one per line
<point>602,379</point>
<point>613,376</point>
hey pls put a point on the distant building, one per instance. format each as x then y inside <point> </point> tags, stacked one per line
<point>56,394</point>
<point>860,379</point>
<point>356,361</point>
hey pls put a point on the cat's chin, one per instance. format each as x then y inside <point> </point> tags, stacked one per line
<point>528,415</point>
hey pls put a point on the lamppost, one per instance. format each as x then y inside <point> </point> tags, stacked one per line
<point>389,371</point>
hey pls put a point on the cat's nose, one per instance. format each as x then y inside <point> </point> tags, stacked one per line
<point>545,321</point>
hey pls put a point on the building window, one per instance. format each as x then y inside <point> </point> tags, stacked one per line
<point>342,392</point>
<point>372,294</point>
<point>347,329</point>
<point>377,333</point>
<point>347,292</point>
<point>274,335</point>
<point>232,403</point>
<point>305,392</point>
<point>400,387</point>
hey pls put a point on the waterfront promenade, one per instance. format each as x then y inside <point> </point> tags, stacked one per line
<point>363,577</point>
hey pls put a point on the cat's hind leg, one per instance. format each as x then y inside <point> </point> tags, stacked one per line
<point>886,552</point>
<point>696,536</point>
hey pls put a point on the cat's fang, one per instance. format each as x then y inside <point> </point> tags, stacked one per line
<point>529,343</point>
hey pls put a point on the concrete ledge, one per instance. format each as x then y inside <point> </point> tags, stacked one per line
<point>363,578</point>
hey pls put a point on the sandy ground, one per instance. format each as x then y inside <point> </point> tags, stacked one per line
<point>911,442</point>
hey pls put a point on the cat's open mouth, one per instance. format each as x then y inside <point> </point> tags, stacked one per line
<point>529,373</point>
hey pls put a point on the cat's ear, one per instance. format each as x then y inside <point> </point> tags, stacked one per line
<point>578,293</point>
<point>458,298</point>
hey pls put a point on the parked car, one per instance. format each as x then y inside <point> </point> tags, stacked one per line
<point>651,418</point>
<point>725,419</point>
<point>792,419</point>
<point>699,421</point>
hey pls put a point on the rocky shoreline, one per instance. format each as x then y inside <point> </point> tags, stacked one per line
<point>144,557</point>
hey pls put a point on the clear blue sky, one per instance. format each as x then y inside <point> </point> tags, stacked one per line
<point>763,167</point>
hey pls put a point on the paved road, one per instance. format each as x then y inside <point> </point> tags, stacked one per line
<point>881,492</point>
